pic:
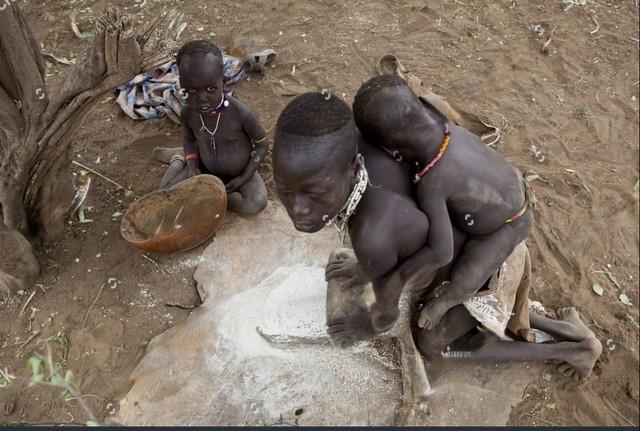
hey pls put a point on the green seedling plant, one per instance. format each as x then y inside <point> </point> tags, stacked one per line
<point>44,371</point>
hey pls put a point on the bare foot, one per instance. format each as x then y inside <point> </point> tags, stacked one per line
<point>432,313</point>
<point>573,327</point>
<point>579,367</point>
<point>164,154</point>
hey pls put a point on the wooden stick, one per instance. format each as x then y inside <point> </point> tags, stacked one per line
<point>619,414</point>
<point>98,174</point>
<point>57,59</point>
<point>593,18</point>
<point>30,339</point>
<point>156,263</point>
<point>594,320</point>
<point>91,306</point>
<point>610,275</point>
<point>481,6</point>
<point>545,46</point>
<point>27,303</point>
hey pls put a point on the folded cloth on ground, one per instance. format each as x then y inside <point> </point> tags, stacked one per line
<point>505,303</point>
<point>157,92</point>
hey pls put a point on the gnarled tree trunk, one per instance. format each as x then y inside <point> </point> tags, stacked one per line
<point>36,128</point>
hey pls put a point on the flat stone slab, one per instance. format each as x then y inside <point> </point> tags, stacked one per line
<point>263,281</point>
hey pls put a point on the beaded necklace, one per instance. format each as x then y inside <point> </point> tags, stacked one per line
<point>342,217</point>
<point>443,147</point>
<point>218,113</point>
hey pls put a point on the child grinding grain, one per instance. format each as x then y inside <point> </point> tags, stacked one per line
<point>459,180</point>
<point>221,136</point>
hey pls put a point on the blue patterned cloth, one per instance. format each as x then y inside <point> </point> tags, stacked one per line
<point>156,93</point>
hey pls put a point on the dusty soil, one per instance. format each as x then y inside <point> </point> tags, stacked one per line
<point>578,105</point>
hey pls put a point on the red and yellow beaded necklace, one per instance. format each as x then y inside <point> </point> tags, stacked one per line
<point>443,147</point>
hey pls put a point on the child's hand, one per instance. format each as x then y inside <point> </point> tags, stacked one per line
<point>234,184</point>
<point>345,266</point>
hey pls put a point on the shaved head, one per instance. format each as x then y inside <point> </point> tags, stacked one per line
<point>318,128</point>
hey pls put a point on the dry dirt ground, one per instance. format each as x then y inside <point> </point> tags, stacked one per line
<point>102,300</point>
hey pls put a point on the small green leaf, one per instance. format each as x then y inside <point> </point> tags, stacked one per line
<point>128,192</point>
<point>625,299</point>
<point>35,364</point>
<point>122,401</point>
<point>547,377</point>
<point>551,406</point>
<point>597,289</point>
<point>68,377</point>
<point>92,424</point>
<point>36,379</point>
<point>3,383</point>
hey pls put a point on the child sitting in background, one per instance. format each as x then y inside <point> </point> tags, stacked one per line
<point>221,136</point>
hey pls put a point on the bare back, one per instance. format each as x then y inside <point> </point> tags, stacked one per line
<point>480,188</point>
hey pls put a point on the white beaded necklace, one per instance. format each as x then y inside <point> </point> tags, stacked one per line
<point>342,217</point>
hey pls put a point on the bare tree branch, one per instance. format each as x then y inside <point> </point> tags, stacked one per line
<point>37,128</point>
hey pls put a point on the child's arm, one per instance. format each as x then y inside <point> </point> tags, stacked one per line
<point>260,148</point>
<point>379,263</point>
<point>419,269</point>
<point>190,146</point>
<point>258,136</point>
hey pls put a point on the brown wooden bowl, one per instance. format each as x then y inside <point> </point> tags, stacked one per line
<point>178,218</point>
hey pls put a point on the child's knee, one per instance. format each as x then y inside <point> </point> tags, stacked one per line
<point>258,197</point>
<point>250,206</point>
<point>259,203</point>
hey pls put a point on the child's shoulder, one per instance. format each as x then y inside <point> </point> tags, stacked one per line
<point>186,114</point>
<point>239,108</point>
<point>233,102</point>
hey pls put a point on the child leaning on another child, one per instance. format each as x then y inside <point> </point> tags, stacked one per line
<point>221,136</point>
<point>459,180</point>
